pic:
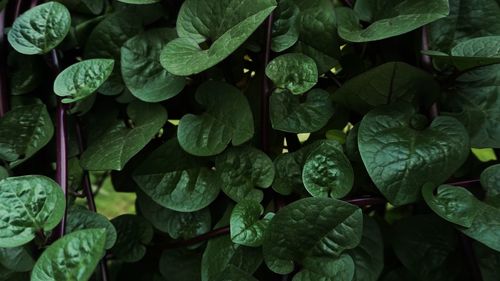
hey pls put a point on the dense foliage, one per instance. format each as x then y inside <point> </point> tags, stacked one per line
<point>304,140</point>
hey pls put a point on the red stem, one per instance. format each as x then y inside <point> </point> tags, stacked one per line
<point>4,101</point>
<point>61,160</point>
<point>465,183</point>
<point>198,239</point>
<point>264,102</point>
<point>366,201</point>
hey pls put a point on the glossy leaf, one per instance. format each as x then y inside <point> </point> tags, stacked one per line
<point>119,143</point>
<point>490,180</point>
<point>387,18</point>
<point>141,70</point>
<point>133,234</point>
<point>40,29</point>
<point>82,79</point>
<point>227,119</point>
<point>222,25</point>
<point>246,226</point>
<point>184,185</point>
<point>402,152</point>
<point>73,257</point>
<point>23,131</point>
<point>243,168</point>
<point>28,204</point>
<point>80,218</point>
<point>295,72</point>
<point>289,114</point>
<point>311,227</point>
<point>327,269</point>
<point>327,171</point>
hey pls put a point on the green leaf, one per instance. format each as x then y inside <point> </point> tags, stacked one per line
<point>311,227</point>
<point>401,152</point>
<point>17,259</point>
<point>368,256</point>
<point>184,185</point>
<point>285,31</point>
<point>327,171</point>
<point>178,225</point>
<point>119,143</point>
<point>473,217</point>
<point>289,114</point>
<point>233,273</point>
<point>490,180</point>
<point>241,169</point>
<point>28,204</point>
<point>222,25</point>
<point>295,72</point>
<point>326,269</point>
<point>387,18</point>
<point>3,173</point>
<point>141,70</point>
<point>227,118</point>
<point>474,102</point>
<point>387,83</point>
<point>82,79</point>
<point>25,72</point>
<point>246,226</point>
<point>23,131</point>
<point>434,254</point>
<point>72,257</point>
<point>489,262</point>
<point>180,265</point>
<point>134,233</point>
<point>81,218</point>
<point>40,29</point>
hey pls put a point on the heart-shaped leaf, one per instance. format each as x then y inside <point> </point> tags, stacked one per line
<point>295,72</point>
<point>118,144</point>
<point>40,29</point>
<point>23,131</point>
<point>285,28</point>
<point>28,204</point>
<point>311,227</point>
<point>184,185</point>
<point>82,79</point>
<point>241,169</point>
<point>246,226</point>
<point>327,171</point>
<point>289,114</point>
<point>227,118</point>
<point>387,18</point>
<point>490,180</point>
<point>141,70</point>
<point>72,257</point>
<point>223,25</point>
<point>387,83</point>
<point>401,153</point>
<point>178,225</point>
<point>326,269</point>
<point>81,218</point>
<point>133,234</point>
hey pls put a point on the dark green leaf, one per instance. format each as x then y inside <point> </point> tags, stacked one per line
<point>25,72</point>
<point>326,269</point>
<point>134,233</point>
<point>246,226</point>
<point>180,265</point>
<point>81,218</point>
<point>401,152</point>
<point>28,204</point>
<point>17,259</point>
<point>489,262</point>
<point>368,256</point>
<point>490,180</point>
<point>295,72</point>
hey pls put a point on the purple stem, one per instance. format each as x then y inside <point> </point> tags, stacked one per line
<point>4,101</point>
<point>264,102</point>
<point>366,201</point>
<point>198,239</point>
<point>466,183</point>
<point>61,160</point>
<point>348,3</point>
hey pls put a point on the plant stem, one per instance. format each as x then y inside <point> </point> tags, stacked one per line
<point>366,201</point>
<point>427,65</point>
<point>198,239</point>
<point>4,101</point>
<point>464,183</point>
<point>264,99</point>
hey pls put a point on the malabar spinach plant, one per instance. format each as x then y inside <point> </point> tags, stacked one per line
<point>303,140</point>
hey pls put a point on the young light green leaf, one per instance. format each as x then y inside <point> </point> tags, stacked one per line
<point>180,265</point>
<point>402,152</point>
<point>141,70</point>
<point>72,257</point>
<point>327,171</point>
<point>490,180</point>
<point>311,227</point>
<point>28,204</point>
<point>23,131</point>
<point>17,259</point>
<point>133,234</point>
<point>387,83</point>
<point>184,185</point>
<point>81,218</point>
<point>40,29</point>
<point>222,25</point>
<point>387,18</point>
<point>326,269</point>
<point>246,226</point>
<point>116,146</point>
<point>295,72</point>
<point>227,118</point>
<point>241,169</point>
<point>82,79</point>
<point>178,225</point>
<point>289,114</point>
